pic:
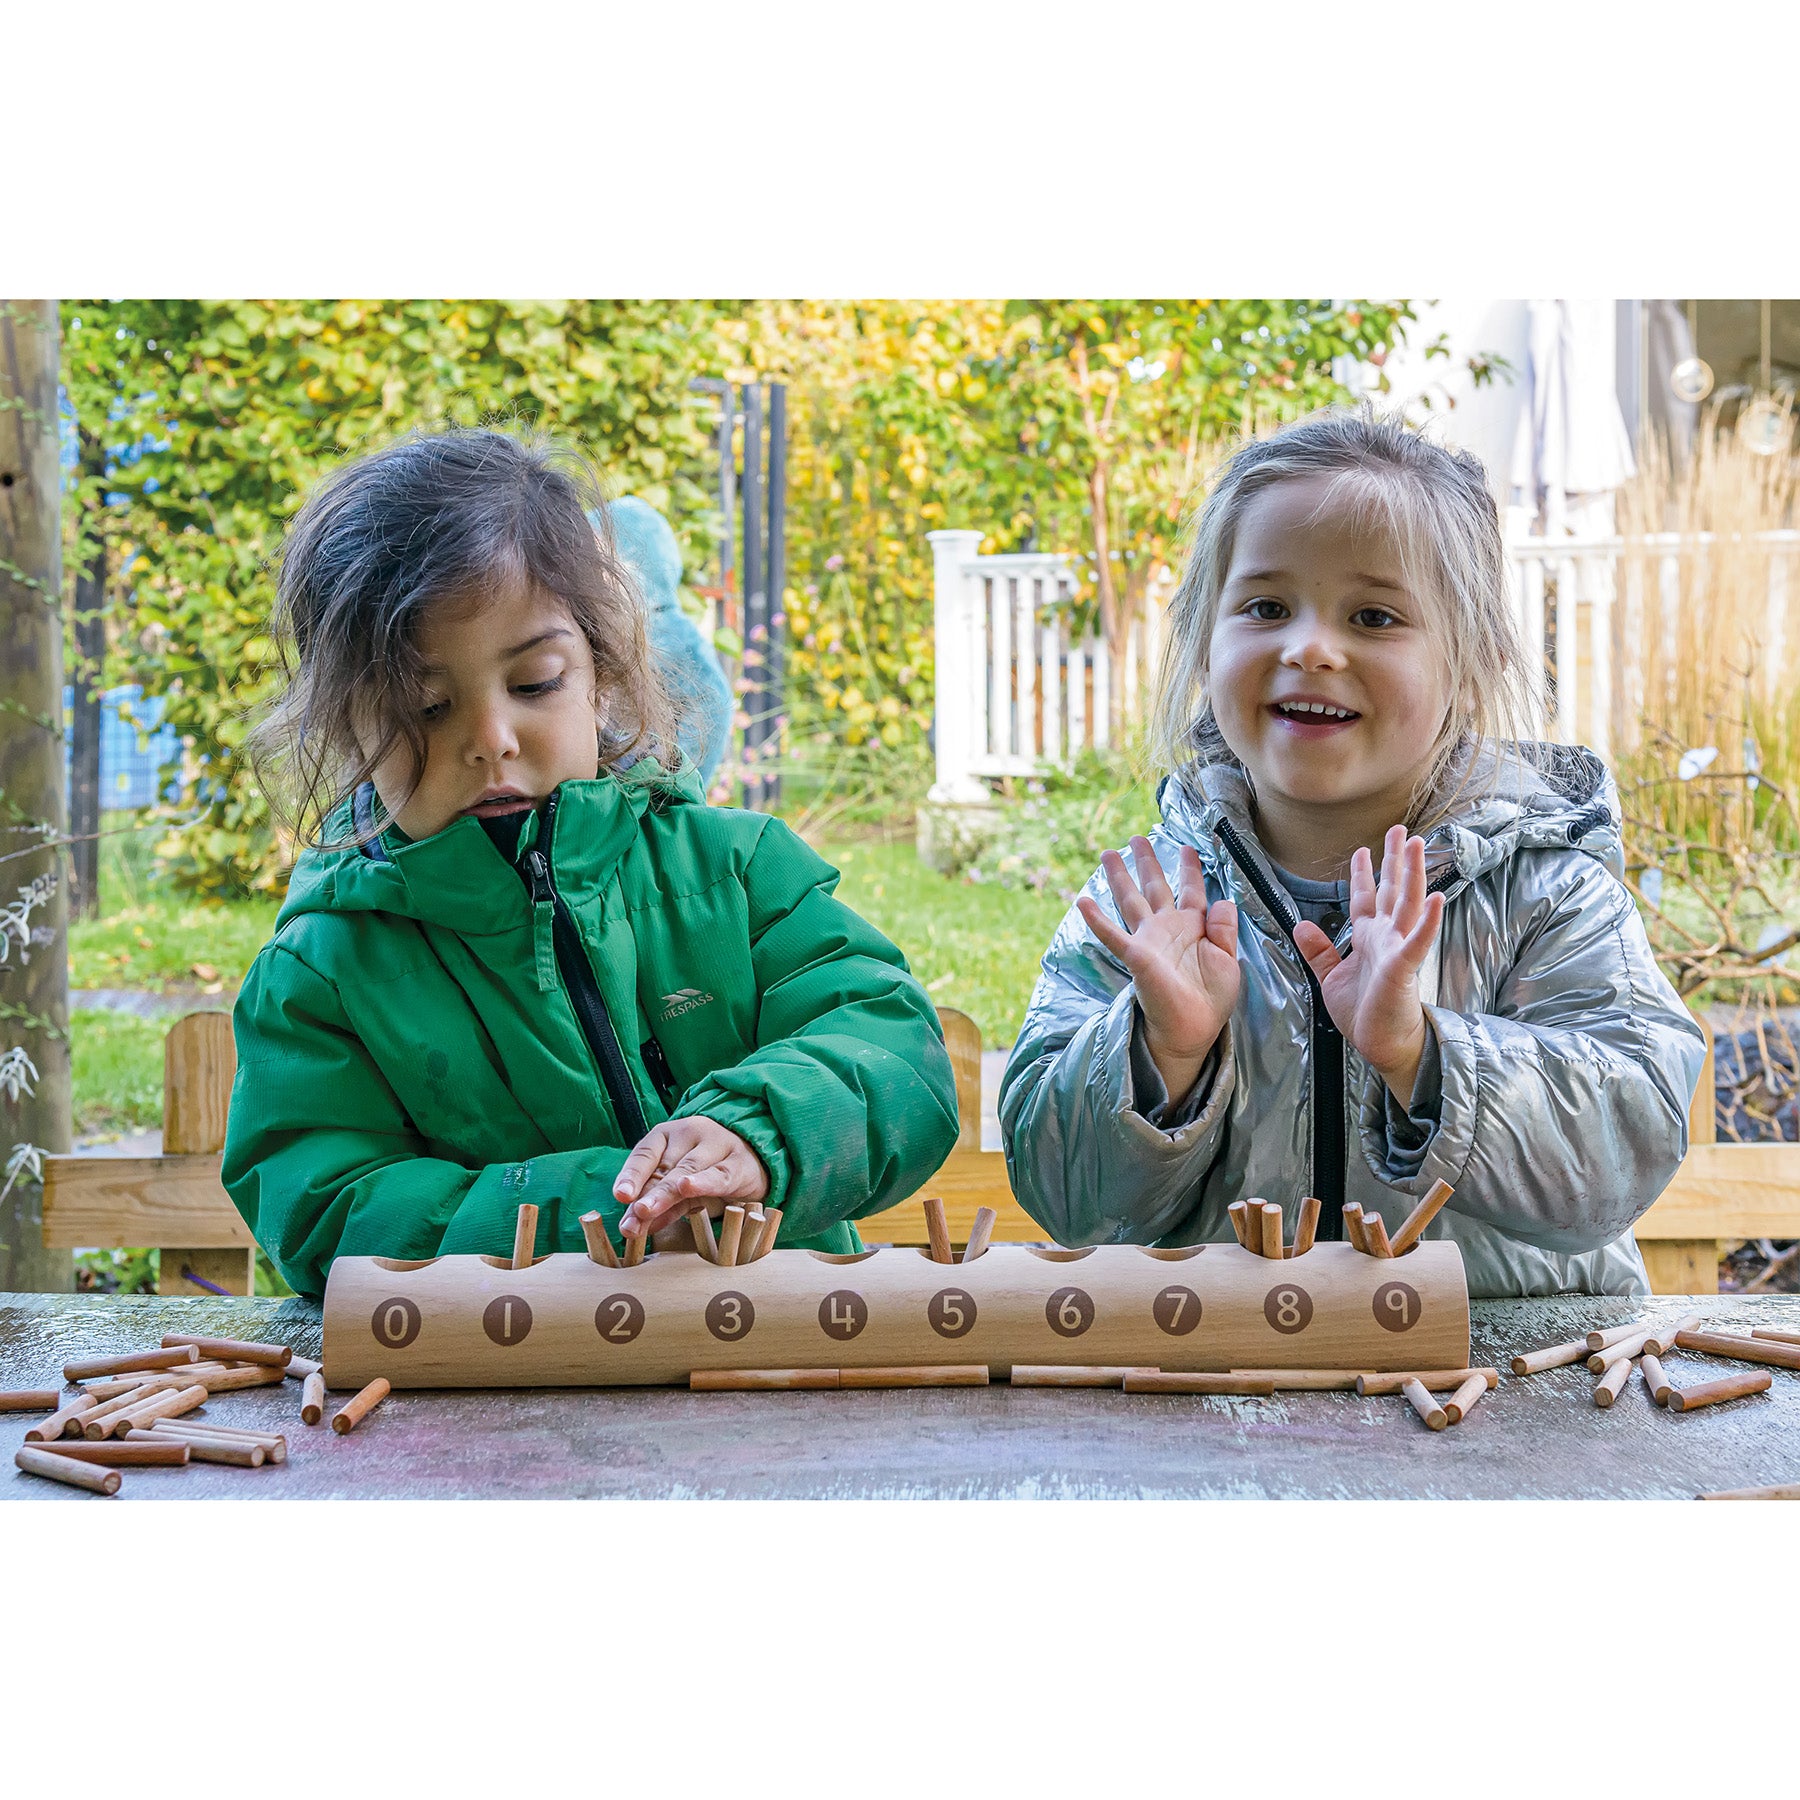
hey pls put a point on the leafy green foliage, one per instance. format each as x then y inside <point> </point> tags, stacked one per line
<point>1049,842</point>
<point>116,1071</point>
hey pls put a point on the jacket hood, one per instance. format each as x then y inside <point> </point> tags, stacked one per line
<point>457,877</point>
<point>1527,797</point>
<point>643,539</point>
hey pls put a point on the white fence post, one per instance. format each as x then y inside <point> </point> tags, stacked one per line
<point>959,714</point>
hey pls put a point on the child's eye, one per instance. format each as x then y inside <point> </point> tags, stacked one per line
<point>435,711</point>
<point>535,688</point>
<point>1267,610</point>
<point>1376,618</point>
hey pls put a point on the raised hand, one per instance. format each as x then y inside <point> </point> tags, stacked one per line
<point>1182,956</point>
<point>1373,993</point>
<point>693,1164</point>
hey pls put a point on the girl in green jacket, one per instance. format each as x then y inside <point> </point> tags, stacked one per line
<point>522,960</point>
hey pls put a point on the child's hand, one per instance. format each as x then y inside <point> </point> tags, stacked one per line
<point>683,1166</point>
<point>1373,993</point>
<point>1182,956</point>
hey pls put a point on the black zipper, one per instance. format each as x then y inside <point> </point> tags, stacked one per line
<point>1327,1053</point>
<point>584,990</point>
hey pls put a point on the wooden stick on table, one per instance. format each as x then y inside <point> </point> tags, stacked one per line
<point>760,1381</point>
<point>277,1356</point>
<point>1308,1227</point>
<point>599,1245</point>
<point>1421,1216</point>
<point>731,1236</point>
<point>1437,1381</point>
<point>1304,1381</point>
<point>525,1236</point>
<point>312,1400</point>
<point>203,1447</point>
<point>43,1400</point>
<point>938,1230</point>
<point>360,1405</point>
<point>1237,1212</point>
<point>1782,1490</point>
<point>1419,1397</point>
<point>1741,1349</point>
<point>141,1449</point>
<point>1353,1226</point>
<point>1650,1367</point>
<point>1375,1230</point>
<point>1556,1356</point>
<point>981,1233</point>
<point>1774,1337</point>
<point>299,1367</point>
<point>700,1224</point>
<point>36,1461</point>
<point>1466,1398</point>
<point>226,1381</point>
<point>70,1418</point>
<point>1610,1385</point>
<point>1626,1348</point>
<point>137,1361</point>
<point>170,1404</point>
<point>1662,1337</point>
<point>104,1387</point>
<point>270,1440</point>
<point>113,1409</point>
<point>1710,1393</point>
<point>1168,1381</point>
<point>944,1375</point>
<point>1069,1375</point>
<point>1270,1228</point>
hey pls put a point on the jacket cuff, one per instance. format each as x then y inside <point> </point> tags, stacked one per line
<point>1120,1052</point>
<point>1401,1141</point>
<point>749,1118</point>
<point>1147,1094</point>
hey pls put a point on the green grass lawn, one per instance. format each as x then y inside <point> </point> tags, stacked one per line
<point>116,1068</point>
<point>974,946</point>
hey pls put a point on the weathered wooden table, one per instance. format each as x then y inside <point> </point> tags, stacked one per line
<point>1537,1438</point>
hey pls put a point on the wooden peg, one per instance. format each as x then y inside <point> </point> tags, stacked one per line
<point>273,1445</point>
<point>1650,1367</point>
<point>1466,1399</point>
<point>1556,1356</point>
<point>981,1233</point>
<point>599,1245</point>
<point>171,1403</point>
<point>753,1224</point>
<point>1375,1230</point>
<point>1741,1349</point>
<point>227,1381</point>
<point>731,1236</point>
<point>1782,1490</point>
<point>1236,1212</point>
<point>1604,1340</point>
<point>1610,1385</point>
<point>137,1361</point>
<point>359,1406</point>
<point>142,1449</point>
<point>96,1424</point>
<point>1710,1393</point>
<point>938,1229</point>
<point>1308,1227</point>
<point>1437,1381</point>
<point>1353,1226</point>
<point>30,1400</point>
<point>700,1224</point>
<point>69,1418</point>
<point>1270,1229</point>
<point>525,1236</point>
<point>1623,1351</point>
<point>110,1388</point>
<point>1419,1397</point>
<point>634,1248</point>
<point>771,1227</point>
<point>276,1356</point>
<point>1166,1381</point>
<point>312,1400</point>
<point>1066,1375</point>
<point>35,1460</point>
<point>760,1381</point>
<point>1761,1331</point>
<point>1421,1216</point>
<point>203,1447</point>
<point>1304,1381</point>
<point>299,1367</point>
<point>937,1375</point>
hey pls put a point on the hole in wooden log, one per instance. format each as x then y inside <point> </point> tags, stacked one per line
<point>845,1256</point>
<point>506,1262</point>
<point>1060,1256</point>
<point>395,1266</point>
<point>1180,1254</point>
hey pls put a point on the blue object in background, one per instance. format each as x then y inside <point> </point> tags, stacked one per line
<point>690,664</point>
<point>129,776</point>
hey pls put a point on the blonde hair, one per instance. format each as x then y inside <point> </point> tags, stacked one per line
<point>1435,504</point>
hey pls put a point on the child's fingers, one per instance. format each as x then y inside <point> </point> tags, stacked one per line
<point>1133,907</point>
<point>1312,943</point>
<point>643,1162</point>
<point>1362,886</point>
<point>1393,870</point>
<point>1115,940</point>
<point>1151,879</point>
<point>1190,881</point>
<point>1416,945</point>
<point>1222,925</point>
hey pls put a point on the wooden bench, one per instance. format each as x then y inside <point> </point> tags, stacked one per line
<point>175,1203</point>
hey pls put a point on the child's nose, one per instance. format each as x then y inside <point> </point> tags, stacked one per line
<point>1312,644</point>
<point>491,735</point>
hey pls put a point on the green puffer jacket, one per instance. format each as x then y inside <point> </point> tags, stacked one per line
<point>433,1037</point>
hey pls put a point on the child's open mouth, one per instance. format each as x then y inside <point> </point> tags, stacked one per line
<point>498,809</point>
<point>1313,718</point>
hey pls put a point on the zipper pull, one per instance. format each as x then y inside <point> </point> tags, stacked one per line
<point>543,922</point>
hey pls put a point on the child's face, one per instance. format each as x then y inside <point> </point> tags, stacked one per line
<point>510,713</point>
<point>1315,609</point>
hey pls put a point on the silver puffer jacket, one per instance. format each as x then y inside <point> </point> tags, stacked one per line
<point>1553,1095</point>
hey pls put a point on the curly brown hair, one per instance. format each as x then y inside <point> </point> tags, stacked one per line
<point>437,516</point>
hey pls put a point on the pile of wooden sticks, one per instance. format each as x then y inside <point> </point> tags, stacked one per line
<point>1614,1355</point>
<point>1367,1231</point>
<point>1258,1225</point>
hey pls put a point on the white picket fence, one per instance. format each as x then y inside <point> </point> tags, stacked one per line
<point>1015,694</point>
<point>1014,691</point>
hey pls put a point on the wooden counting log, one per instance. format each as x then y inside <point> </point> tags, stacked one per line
<point>937,1229</point>
<point>981,1233</point>
<point>1270,1227</point>
<point>472,1321</point>
<point>276,1356</point>
<point>1421,1216</point>
<point>1711,1393</point>
<point>1610,1385</point>
<point>1375,1231</point>
<point>35,1460</point>
<point>1307,1381</point>
<point>1419,1397</point>
<point>1076,1375</point>
<point>525,1236</point>
<point>45,1400</point>
<point>731,1235</point>
<point>111,1389</point>
<point>169,1404</point>
<point>1308,1228</point>
<point>1238,1213</point>
<point>599,1245</point>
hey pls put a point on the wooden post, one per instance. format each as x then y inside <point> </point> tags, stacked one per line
<point>199,1061</point>
<point>32,795</point>
<point>962,1038</point>
<point>1689,1265</point>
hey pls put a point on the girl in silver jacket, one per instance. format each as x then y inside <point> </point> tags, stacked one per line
<point>1252,1009</point>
